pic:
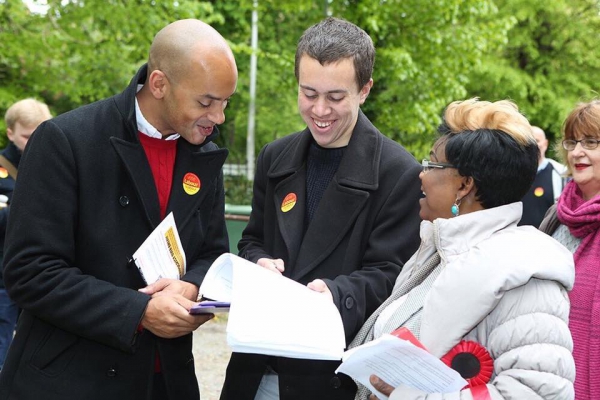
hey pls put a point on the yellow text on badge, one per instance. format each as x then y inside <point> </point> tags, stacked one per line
<point>191,183</point>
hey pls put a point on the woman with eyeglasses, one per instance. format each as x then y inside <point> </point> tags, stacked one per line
<point>575,222</point>
<point>486,296</point>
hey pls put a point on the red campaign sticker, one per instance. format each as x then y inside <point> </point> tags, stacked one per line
<point>288,202</point>
<point>191,183</point>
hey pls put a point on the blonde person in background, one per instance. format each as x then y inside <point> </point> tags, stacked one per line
<point>478,293</point>
<point>575,222</point>
<point>21,120</point>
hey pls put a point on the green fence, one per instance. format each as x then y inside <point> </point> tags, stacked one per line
<point>236,218</point>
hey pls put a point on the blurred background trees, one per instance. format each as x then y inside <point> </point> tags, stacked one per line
<point>540,54</point>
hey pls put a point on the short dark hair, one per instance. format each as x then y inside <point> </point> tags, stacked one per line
<point>335,39</point>
<point>493,144</point>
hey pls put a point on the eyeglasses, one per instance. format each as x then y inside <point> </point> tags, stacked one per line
<point>429,165</point>
<point>588,144</point>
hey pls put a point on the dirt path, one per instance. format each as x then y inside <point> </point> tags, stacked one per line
<point>211,354</point>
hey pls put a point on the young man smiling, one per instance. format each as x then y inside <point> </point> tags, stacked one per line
<point>335,207</point>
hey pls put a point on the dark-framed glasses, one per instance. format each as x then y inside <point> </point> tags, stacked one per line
<point>429,165</point>
<point>588,144</point>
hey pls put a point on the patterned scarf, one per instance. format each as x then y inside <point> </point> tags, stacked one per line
<point>583,220</point>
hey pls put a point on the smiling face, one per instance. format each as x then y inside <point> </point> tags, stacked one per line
<point>440,186</point>
<point>329,100</point>
<point>195,102</point>
<point>585,168</point>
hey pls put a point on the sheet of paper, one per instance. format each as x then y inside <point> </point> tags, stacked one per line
<point>218,282</point>
<point>161,255</point>
<point>271,314</point>
<point>398,361</point>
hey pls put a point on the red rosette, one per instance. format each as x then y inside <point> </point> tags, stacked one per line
<point>472,361</point>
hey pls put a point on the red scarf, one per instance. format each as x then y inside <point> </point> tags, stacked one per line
<point>583,220</point>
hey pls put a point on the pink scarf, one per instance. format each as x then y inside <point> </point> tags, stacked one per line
<point>583,220</point>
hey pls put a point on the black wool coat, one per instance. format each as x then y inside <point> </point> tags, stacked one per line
<point>365,228</point>
<point>84,202</point>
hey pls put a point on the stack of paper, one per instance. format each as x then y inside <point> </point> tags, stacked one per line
<point>397,361</point>
<point>271,314</point>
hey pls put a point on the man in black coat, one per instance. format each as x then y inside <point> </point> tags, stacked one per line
<point>93,184</point>
<point>21,118</point>
<point>335,207</point>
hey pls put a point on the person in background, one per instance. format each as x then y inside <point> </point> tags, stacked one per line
<point>477,293</point>
<point>547,186</point>
<point>334,207</point>
<point>93,185</point>
<point>575,222</point>
<point>21,120</point>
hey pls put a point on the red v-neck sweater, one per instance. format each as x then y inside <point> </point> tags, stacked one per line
<point>161,156</point>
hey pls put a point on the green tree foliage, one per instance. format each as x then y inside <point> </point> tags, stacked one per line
<point>540,54</point>
<point>425,53</point>
<point>550,63</point>
<point>81,51</point>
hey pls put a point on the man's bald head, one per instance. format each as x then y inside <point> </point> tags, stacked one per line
<point>542,142</point>
<point>177,46</point>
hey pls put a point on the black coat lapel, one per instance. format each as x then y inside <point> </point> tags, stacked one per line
<point>203,165</point>
<point>337,212</point>
<point>290,168</point>
<point>290,216</point>
<point>133,157</point>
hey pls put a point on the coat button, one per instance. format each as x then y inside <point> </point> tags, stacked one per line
<point>335,382</point>
<point>349,302</point>
<point>124,201</point>
<point>111,373</point>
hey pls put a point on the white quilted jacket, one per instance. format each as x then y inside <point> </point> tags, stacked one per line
<point>504,287</point>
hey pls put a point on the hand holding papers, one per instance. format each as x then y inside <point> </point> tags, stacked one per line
<point>271,314</point>
<point>161,255</point>
<point>398,361</point>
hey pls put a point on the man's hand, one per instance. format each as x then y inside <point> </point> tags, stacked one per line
<point>318,285</point>
<point>172,286</point>
<point>167,315</point>
<point>271,264</point>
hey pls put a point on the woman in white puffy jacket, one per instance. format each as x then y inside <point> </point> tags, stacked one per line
<point>487,297</point>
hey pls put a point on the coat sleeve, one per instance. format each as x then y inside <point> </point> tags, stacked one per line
<point>529,340</point>
<point>41,273</point>
<point>392,240</point>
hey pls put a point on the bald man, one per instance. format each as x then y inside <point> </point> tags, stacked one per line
<point>91,189</point>
<point>547,186</point>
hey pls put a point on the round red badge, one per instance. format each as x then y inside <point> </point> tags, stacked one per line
<point>191,183</point>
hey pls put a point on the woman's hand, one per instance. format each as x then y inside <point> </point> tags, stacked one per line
<point>381,386</point>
